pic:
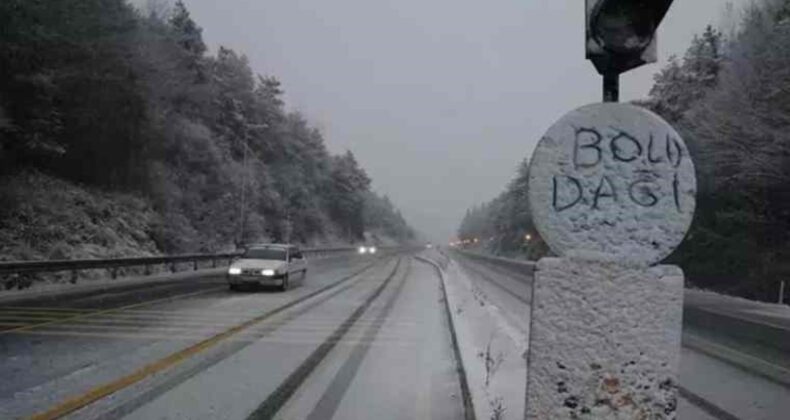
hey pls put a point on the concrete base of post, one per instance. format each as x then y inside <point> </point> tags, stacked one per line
<point>604,341</point>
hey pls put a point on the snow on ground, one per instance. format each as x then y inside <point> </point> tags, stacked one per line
<point>487,307</point>
<point>492,347</point>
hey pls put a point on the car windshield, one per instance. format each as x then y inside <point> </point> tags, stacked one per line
<point>265,254</point>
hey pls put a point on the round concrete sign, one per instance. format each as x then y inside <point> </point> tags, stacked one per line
<point>612,181</point>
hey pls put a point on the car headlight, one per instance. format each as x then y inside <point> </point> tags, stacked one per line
<point>362,250</point>
<point>235,271</point>
<point>372,250</point>
<point>267,273</point>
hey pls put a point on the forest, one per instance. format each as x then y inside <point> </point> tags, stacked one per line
<point>729,98</point>
<point>121,134</point>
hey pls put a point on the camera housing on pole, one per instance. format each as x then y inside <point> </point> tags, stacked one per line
<point>620,36</point>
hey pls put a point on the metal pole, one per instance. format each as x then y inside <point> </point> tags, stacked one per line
<point>611,87</point>
<point>782,292</point>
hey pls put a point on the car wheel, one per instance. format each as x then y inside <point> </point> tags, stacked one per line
<point>234,287</point>
<point>285,285</point>
<point>304,273</point>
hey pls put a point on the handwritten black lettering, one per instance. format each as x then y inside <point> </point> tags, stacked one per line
<point>673,143</point>
<point>650,157</point>
<point>586,134</point>
<point>617,150</point>
<point>570,181</point>
<point>601,193</point>
<point>646,197</point>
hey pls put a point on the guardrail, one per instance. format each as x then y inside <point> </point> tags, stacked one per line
<point>521,267</point>
<point>738,328</point>
<point>748,332</point>
<point>23,268</point>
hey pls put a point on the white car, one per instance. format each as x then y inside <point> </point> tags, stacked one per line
<point>267,265</point>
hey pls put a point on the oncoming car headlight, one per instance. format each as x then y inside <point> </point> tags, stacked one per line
<point>267,273</point>
<point>362,250</point>
<point>372,250</point>
<point>234,271</point>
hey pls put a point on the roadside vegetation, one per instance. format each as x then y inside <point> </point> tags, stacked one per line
<point>729,97</point>
<point>120,134</point>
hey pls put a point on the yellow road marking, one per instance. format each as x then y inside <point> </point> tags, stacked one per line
<point>106,311</point>
<point>128,323</point>
<point>12,324</point>
<point>141,318</point>
<point>26,318</point>
<point>110,334</point>
<point>206,329</point>
<point>247,338</point>
<point>41,309</point>
<point>228,312</point>
<point>102,391</point>
<point>109,388</point>
<point>34,314</point>
<point>126,328</point>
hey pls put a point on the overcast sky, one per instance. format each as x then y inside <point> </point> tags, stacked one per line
<point>438,99</point>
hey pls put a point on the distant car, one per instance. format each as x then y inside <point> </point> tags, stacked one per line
<point>367,250</point>
<point>267,265</point>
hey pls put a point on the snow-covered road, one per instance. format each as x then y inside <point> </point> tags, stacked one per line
<point>362,337</point>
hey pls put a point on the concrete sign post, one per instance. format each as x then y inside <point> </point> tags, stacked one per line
<point>612,192</point>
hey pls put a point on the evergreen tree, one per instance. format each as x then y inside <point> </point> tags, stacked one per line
<point>188,34</point>
<point>349,182</point>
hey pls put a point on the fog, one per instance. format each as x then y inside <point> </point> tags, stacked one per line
<point>438,99</point>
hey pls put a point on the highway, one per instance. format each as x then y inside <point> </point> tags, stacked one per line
<point>359,337</point>
<point>711,386</point>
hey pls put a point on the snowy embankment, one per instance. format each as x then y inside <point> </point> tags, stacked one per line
<point>492,348</point>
